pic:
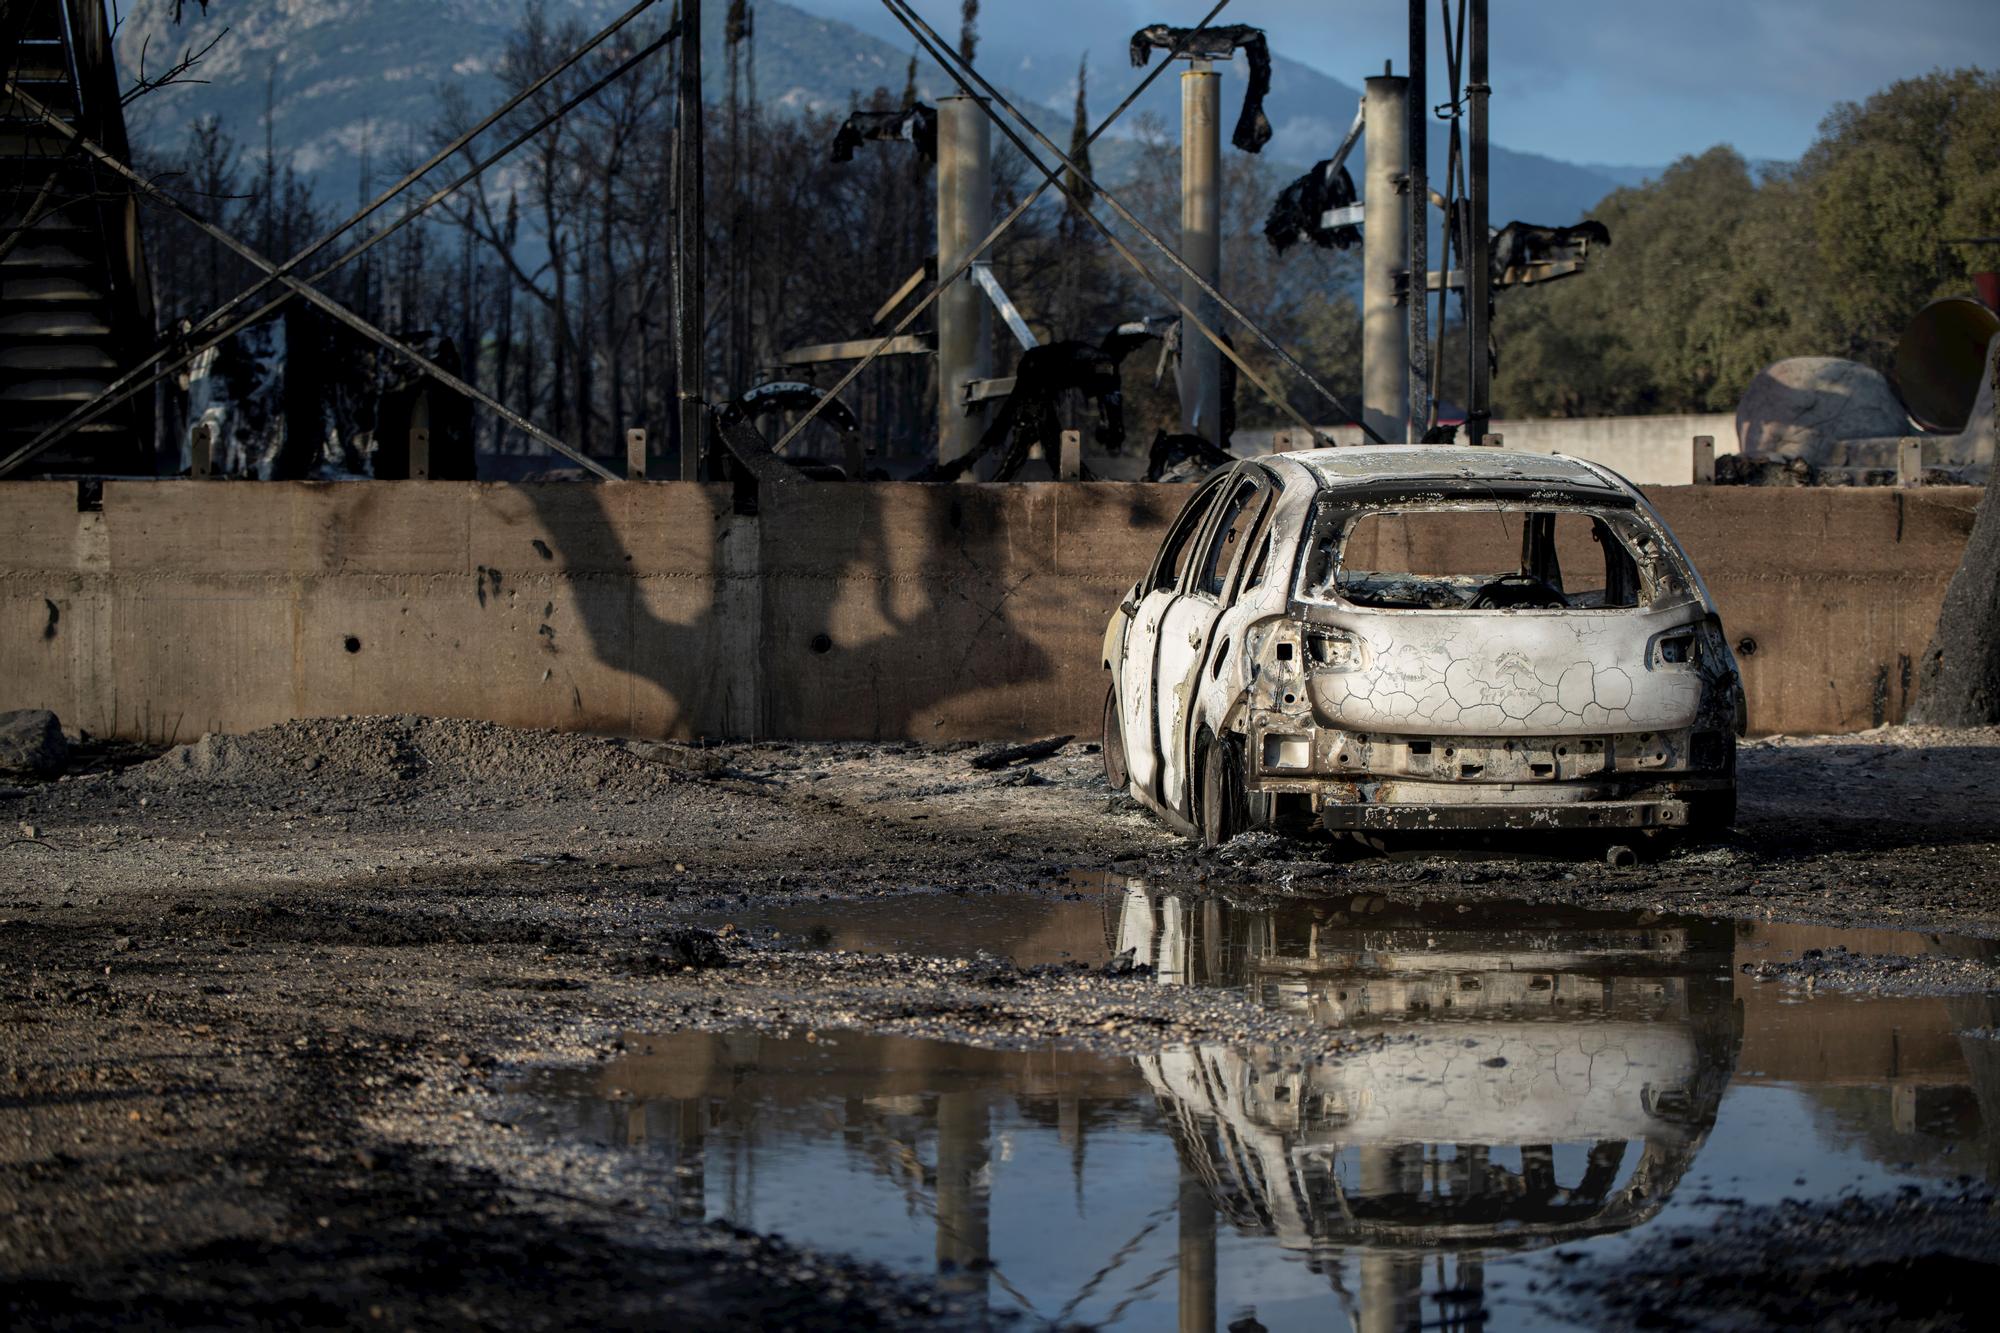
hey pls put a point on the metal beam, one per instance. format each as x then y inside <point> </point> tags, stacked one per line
<point>907,344</point>
<point>980,391</point>
<point>1087,189</point>
<point>326,303</point>
<point>210,330</point>
<point>982,273</point>
<point>902,294</point>
<point>1049,182</point>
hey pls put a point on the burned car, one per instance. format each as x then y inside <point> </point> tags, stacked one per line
<point>1395,639</point>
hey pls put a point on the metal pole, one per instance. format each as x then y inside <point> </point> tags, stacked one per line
<point>1385,252</point>
<point>1418,198</point>
<point>1478,256</point>
<point>964,216</point>
<point>1197,1255</point>
<point>1201,246</point>
<point>691,373</point>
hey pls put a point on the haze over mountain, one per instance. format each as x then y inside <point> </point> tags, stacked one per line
<point>355,78</point>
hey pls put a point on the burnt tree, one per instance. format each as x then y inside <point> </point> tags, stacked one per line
<point>1958,684</point>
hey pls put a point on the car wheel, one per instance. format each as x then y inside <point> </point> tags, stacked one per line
<point>1116,774</point>
<point>1224,812</point>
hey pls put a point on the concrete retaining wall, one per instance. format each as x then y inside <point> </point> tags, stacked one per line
<point>1647,451</point>
<point>877,611</point>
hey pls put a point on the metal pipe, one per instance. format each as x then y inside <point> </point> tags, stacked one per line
<point>1201,246</point>
<point>1385,252</point>
<point>1197,1255</point>
<point>964,319</point>
<point>966,76</point>
<point>1049,181</point>
<point>1478,256</point>
<point>690,365</point>
<point>1417,198</point>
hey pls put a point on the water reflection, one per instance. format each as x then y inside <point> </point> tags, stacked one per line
<point>1545,1077</point>
<point>1553,1077</point>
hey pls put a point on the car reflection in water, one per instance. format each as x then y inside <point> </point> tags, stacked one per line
<point>1542,1078</point>
<point>1521,1077</point>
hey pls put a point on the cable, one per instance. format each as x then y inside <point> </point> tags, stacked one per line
<point>995,235</point>
<point>130,384</point>
<point>932,42</point>
<point>127,385</point>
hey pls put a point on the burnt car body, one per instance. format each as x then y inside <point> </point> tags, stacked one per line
<point>1395,639</point>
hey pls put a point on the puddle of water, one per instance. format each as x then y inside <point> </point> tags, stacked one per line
<point>1561,1079</point>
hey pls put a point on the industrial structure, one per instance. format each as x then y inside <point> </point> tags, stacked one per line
<point>76,302</point>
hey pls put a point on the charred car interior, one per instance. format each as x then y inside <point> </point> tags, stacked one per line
<point>1405,639</point>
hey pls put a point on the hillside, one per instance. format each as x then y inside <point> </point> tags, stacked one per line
<point>355,76</point>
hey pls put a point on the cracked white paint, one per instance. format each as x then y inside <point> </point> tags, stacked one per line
<point>1509,673</point>
<point>1184,663</point>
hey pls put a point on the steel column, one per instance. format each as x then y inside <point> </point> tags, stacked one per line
<point>1385,253</point>
<point>1201,247</point>
<point>1478,258</point>
<point>964,319</point>
<point>690,364</point>
<point>1418,198</point>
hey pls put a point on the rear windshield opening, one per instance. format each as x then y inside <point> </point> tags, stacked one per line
<point>1473,559</point>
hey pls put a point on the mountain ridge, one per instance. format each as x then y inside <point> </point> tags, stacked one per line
<point>338,102</point>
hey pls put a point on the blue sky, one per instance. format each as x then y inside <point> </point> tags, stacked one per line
<point>1613,81</point>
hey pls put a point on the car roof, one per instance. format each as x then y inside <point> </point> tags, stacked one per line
<point>1467,469</point>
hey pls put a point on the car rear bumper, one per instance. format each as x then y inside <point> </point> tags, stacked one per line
<point>1660,813</point>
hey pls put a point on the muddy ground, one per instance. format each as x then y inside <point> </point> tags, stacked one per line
<point>260,996</point>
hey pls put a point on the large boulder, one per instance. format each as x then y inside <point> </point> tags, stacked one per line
<point>1805,407</point>
<point>32,744</point>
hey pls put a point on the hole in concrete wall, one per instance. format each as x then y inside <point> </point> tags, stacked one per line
<point>1746,646</point>
<point>351,644</point>
<point>90,495</point>
<point>821,644</point>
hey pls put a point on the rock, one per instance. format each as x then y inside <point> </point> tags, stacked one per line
<point>32,744</point>
<point>1805,406</point>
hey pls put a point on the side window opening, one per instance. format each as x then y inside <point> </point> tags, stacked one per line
<point>1230,533</point>
<point>1255,578</point>
<point>1177,550</point>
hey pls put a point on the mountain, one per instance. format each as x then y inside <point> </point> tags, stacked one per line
<point>355,77</point>
<point>350,78</point>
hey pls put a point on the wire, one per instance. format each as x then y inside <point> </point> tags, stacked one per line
<point>127,385</point>
<point>932,42</point>
<point>973,254</point>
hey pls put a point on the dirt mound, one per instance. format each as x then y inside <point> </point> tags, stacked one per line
<point>409,748</point>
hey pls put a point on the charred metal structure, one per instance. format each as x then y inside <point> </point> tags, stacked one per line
<point>76,302</point>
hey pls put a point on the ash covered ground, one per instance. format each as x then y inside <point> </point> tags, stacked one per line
<point>263,995</point>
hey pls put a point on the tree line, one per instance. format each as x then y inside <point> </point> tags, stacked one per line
<point>550,274</point>
<point>1718,268</point>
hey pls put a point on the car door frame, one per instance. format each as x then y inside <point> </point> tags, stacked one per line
<point>1143,759</point>
<point>1196,612</point>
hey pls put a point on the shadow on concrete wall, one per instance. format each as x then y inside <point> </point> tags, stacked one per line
<point>821,668</point>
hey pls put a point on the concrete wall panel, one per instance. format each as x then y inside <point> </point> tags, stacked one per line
<point>879,611</point>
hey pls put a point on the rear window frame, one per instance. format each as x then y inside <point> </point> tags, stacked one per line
<point>1680,584</point>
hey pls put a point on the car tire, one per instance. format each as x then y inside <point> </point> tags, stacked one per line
<point>1224,812</point>
<point>1116,774</point>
